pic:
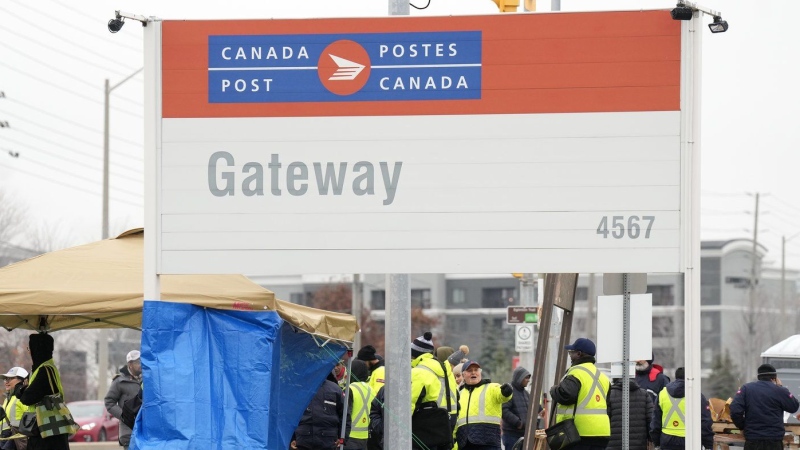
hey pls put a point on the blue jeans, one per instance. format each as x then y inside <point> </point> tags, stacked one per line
<point>510,438</point>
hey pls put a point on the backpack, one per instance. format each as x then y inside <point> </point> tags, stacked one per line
<point>130,408</point>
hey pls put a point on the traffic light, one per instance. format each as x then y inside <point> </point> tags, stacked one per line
<point>507,5</point>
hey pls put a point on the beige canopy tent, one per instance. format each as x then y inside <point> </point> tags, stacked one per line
<point>99,285</point>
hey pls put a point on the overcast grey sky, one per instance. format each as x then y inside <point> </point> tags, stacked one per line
<point>55,56</point>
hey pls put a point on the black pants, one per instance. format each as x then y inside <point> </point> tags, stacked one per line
<point>763,445</point>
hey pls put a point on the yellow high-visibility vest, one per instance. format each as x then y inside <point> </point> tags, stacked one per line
<point>673,414</point>
<point>362,395</point>
<point>591,412</point>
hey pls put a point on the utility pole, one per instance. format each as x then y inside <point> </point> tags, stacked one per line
<point>750,321</point>
<point>591,327</point>
<point>784,240</point>
<point>102,346</point>
<point>357,307</point>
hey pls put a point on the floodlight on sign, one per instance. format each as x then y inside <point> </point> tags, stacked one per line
<point>719,25</point>
<point>682,12</point>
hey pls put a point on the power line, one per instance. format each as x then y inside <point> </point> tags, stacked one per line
<point>69,174</point>
<point>60,38</point>
<point>127,177</point>
<point>786,204</point>
<point>68,75</point>
<point>91,144</point>
<point>72,186</point>
<point>722,194</point>
<point>76,11</point>
<point>73,123</point>
<point>63,89</point>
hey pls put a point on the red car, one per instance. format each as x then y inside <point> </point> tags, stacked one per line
<point>96,423</point>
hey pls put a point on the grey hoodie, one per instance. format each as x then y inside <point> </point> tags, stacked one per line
<point>515,412</point>
<point>122,388</point>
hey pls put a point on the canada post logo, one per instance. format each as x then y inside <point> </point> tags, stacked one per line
<point>345,67</point>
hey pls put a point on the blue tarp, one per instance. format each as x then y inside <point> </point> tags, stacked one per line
<point>217,379</point>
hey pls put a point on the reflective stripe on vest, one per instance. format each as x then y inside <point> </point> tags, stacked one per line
<point>481,417</point>
<point>581,409</point>
<point>674,420</point>
<point>11,413</point>
<point>440,400</point>
<point>360,415</point>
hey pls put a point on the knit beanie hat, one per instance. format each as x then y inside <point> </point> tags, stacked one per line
<point>679,374</point>
<point>459,355</point>
<point>367,353</point>
<point>358,370</point>
<point>422,344</point>
<point>767,372</point>
<point>457,368</point>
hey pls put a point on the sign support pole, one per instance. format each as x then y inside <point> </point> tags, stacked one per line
<point>527,298</point>
<point>626,356</point>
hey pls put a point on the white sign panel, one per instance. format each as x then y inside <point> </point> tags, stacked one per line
<point>609,328</point>
<point>523,338</point>
<point>319,146</point>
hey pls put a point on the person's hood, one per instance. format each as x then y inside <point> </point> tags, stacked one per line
<point>415,362</point>
<point>436,367</point>
<point>124,370</point>
<point>332,377</point>
<point>520,373</point>
<point>655,369</point>
<point>632,385</point>
<point>442,353</point>
<point>676,389</point>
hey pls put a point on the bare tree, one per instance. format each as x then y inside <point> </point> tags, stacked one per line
<point>13,218</point>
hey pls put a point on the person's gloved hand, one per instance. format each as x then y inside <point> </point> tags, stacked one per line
<point>506,390</point>
<point>17,391</point>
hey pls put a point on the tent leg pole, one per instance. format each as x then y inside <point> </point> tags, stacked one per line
<point>342,437</point>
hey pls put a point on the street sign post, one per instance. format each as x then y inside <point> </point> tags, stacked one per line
<point>522,314</point>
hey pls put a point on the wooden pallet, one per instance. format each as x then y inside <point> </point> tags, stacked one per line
<point>726,433</point>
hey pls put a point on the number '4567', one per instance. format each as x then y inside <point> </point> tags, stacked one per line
<point>618,228</point>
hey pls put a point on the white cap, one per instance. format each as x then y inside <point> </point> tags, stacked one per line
<point>133,355</point>
<point>16,372</point>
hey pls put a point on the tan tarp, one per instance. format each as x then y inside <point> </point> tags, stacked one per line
<point>99,285</point>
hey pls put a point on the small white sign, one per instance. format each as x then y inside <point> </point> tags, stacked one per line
<point>609,328</point>
<point>523,338</point>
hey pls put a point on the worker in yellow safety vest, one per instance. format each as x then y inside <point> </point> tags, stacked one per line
<point>12,411</point>
<point>377,371</point>
<point>481,410</point>
<point>360,397</point>
<point>582,394</point>
<point>668,428</point>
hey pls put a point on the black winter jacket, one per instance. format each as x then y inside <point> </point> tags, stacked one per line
<point>641,414</point>
<point>676,389</point>
<point>375,441</point>
<point>33,394</point>
<point>566,393</point>
<point>758,408</point>
<point>652,380</point>
<point>479,434</point>
<point>321,423</point>
<point>515,412</point>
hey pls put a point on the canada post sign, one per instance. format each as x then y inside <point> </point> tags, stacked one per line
<point>344,67</point>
